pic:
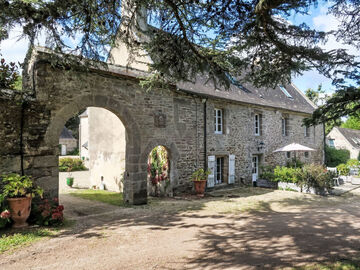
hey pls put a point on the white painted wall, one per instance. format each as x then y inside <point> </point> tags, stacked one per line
<point>83,138</point>
<point>106,148</point>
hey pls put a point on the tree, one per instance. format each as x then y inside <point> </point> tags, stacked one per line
<point>319,97</point>
<point>249,40</point>
<point>9,76</point>
<point>352,122</point>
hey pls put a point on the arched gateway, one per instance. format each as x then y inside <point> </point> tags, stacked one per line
<point>59,94</point>
<point>198,125</point>
<point>133,138</point>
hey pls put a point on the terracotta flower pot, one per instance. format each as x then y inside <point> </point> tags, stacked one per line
<point>20,210</point>
<point>200,187</point>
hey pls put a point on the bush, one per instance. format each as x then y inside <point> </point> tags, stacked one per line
<point>4,212</point>
<point>74,152</point>
<point>334,157</point>
<point>294,163</point>
<point>353,163</point>
<point>309,176</point>
<point>343,169</point>
<point>71,165</point>
<point>47,213</point>
<point>316,176</point>
<point>267,172</point>
<point>285,174</point>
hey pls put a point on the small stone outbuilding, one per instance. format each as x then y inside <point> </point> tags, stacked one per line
<point>67,142</point>
<point>345,138</point>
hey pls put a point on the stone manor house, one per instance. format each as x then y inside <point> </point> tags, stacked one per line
<point>233,132</point>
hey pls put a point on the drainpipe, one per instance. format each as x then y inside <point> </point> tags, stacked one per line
<point>196,132</point>
<point>21,141</point>
<point>205,132</point>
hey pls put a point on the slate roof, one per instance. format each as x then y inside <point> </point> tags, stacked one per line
<point>351,135</point>
<point>247,93</point>
<point>66,134</point>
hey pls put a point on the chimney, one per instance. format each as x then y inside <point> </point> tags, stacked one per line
<point>137,21</point>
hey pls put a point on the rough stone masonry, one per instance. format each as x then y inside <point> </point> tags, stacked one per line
<point>175,118</point>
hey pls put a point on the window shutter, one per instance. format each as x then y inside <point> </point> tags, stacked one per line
<point>231,169</point>
<point>260,125</point>
<point>211,167</point>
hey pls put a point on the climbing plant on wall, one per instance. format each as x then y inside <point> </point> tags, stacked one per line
<point>158,165</point>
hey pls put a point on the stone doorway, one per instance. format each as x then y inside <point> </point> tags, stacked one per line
<point>158,168</point>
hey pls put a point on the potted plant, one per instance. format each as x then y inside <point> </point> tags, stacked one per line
<point>199,177</point>
<point>19,191</point>
<point>69,179</point>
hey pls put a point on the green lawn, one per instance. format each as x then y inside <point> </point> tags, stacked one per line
<point>15,240</point>
<point>104,196</point>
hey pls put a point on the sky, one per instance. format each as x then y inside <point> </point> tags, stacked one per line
<point>14,50</point>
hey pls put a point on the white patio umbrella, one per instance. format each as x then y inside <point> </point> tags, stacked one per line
<point>294,147</point>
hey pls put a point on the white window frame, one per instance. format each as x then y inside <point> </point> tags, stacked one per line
<point>257,124</point>
<point>332,143</point>
<point>288,154</point>
<point>283,126</point>
<point>306,154</point>
<point>219,125</point>
<point>219,170</point>
<point>307,131</point>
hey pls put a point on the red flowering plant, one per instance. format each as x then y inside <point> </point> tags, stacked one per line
<point>4,213</point>
<point>158,165</point>
<point>48,213</point>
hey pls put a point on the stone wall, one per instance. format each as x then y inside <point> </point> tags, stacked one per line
<point>170,118</point>
<point>240,140</point>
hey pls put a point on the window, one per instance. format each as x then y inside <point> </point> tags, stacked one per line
<point>283,89</point>
<point>307,131</point>
<point>255,164</point>
<point>218,121</point>
<point>219,170</point>
<point>306,154</point>
<point>332,143</point>
<point>288,154</point>
<point>257,124</point>
<point>285,126</point>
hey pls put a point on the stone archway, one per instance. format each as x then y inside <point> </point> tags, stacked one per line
<point>135,190</point>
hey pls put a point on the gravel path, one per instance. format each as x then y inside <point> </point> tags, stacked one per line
<point>291,230</point>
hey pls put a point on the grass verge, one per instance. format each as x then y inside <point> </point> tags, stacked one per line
<point>11,240</point>
<point>104,196</point>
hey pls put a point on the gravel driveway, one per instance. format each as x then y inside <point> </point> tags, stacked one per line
<point>236,229</point>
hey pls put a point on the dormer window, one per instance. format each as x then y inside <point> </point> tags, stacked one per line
<point>283,89</point>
